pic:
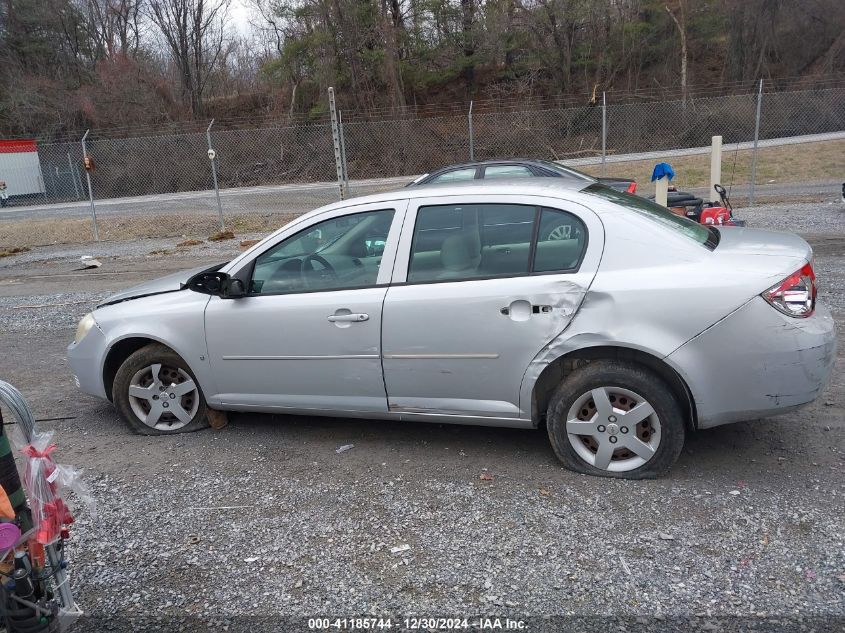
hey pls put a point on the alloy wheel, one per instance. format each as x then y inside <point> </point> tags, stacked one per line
<point>163,397</point>
<point>613,429</point>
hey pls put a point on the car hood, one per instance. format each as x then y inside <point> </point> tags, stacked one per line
<point>169,283</point>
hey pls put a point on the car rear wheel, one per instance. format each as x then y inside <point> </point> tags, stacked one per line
<point>156,393</point>
<point>615,419</point>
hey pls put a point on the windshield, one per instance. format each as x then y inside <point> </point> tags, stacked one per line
<point>655,212</point>
<point>567,171</point>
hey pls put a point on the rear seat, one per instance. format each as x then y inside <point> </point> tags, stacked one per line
<point>510,259</point>
<point>502,259</point>
<point>557,254</point>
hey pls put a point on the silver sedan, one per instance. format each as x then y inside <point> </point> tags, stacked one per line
<point>616,324</point>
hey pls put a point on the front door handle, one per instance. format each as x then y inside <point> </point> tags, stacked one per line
<point>356,317</point>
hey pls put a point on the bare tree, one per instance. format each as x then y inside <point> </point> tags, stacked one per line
<point>196,39</point>
<point>556,24</point>
<point>114,26</point>
<point>681,25</point>
<point>391,25</point>
<point>468,20</point>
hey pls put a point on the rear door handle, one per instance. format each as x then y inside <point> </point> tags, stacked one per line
<point>349,317</point>
<point>524,305</point>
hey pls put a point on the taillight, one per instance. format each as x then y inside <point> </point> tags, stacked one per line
<point>796,295</point>
<point>632,188</point>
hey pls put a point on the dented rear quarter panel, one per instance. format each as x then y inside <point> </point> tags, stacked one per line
<point>757,362</point>
<point>655,290</point>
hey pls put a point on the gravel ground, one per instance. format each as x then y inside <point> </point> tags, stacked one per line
<point>238,528</point>
<point>814,219</point>
<point>70,254</point>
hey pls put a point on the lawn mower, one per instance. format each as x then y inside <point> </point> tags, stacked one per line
<point>711,213</point>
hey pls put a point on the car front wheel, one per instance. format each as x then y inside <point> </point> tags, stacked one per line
<point>615,419</point>
<point>156,393</point>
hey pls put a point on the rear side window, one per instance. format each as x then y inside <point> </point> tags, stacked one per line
<point>506,171</point>
<point>561,242</point>
<point>457,175</point>
<point>656,213</point>
<point>470,241</point>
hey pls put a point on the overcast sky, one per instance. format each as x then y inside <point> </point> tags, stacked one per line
<point>240,14</point>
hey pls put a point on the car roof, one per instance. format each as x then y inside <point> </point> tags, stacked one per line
<point>482,163</point>
<point>538,186</point>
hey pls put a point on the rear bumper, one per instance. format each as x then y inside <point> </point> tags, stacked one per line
<point>757,362</point>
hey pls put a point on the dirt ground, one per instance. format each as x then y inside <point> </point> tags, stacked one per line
<point>788,164</point>
<point>262,524</point>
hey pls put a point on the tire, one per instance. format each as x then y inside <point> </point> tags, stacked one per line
<point>159,401</point>
<point>584,440</point>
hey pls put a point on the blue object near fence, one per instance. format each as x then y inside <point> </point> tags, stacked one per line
<point>661,170</point>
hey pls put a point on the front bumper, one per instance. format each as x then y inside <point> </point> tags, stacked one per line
<point>757,362</point>
<point>86,361</point>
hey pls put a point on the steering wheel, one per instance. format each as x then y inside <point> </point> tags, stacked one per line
<point>309,273</point>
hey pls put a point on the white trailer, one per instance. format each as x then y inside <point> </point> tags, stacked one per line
<point>20,167</point>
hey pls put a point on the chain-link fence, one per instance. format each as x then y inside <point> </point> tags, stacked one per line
<point>164,186</point>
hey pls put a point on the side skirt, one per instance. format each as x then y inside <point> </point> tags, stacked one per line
<point>436,418</point>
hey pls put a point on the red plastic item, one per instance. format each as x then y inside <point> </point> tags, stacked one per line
<point>716,215</point>
<point>37,554</point>
<point>49,511</point>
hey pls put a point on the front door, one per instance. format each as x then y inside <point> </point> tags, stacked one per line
<point>479,289</point>
<point>307,335</point>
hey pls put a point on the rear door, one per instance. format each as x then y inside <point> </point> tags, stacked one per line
<point>481,284</point>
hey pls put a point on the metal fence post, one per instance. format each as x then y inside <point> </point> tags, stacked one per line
<point>338,157</point>
<point>471,136</point>
<point>343,151</point>
<point>756,141</point>
<point>603,133</point>
<point>90,190</point>
<point>212,157</point>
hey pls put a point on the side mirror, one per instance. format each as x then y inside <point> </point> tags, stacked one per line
<point>375,247</point>
<point>207,283</point>
<point>234,289</point>
<point>217,284</point>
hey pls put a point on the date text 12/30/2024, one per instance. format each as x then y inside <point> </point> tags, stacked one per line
<point>415,624</point>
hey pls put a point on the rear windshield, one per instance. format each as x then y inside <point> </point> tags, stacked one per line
<point>568,171</point>
<point>708,237</point>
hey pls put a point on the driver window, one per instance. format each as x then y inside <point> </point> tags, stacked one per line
<point>343,252</point>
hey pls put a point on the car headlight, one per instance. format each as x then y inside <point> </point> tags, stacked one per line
<point>85,324</point>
